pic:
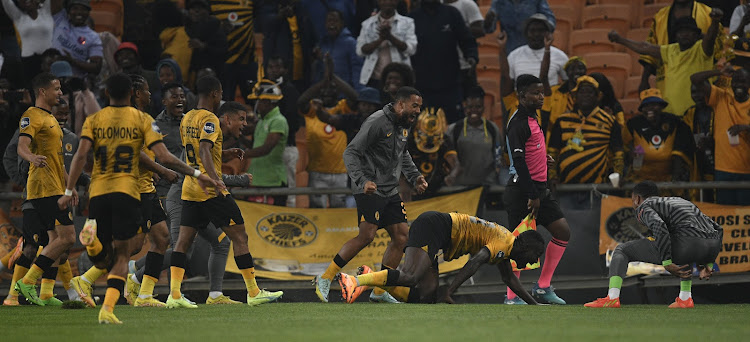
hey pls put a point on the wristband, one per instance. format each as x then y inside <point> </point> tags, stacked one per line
<point>68,192</point>
<point>197,173</point>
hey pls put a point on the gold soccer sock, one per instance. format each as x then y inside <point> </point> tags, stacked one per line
<point>32,275</point>
<point>373,279</point>
<point>334,268</point>
<point>400,292</point>
<point>115,284</point>
<point>147,287</point>
<point>95,248</point>
<point>6,258</point>
<point>65,274</point>
<point>248,275</point>
<point>45,291</point>
<point>176,281</point>
<point>18,273</point>
<point>93,274</point>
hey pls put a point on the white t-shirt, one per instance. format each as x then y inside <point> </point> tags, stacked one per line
<point>524,60</point>
<point>470,12</point>
<point>737,15</point>
<point>36,34</point>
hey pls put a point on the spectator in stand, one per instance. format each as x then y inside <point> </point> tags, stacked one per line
<point>368,102</point>
<point>276,71</point>
<point>34,26</point>
<point>731,108</point>
<point>207,40</point>
<point>558,99</point>
<point>432,152</point>
<point>477,142</point>
<point>80,46</point>
<point>271,132</point>
<point>440,28</point>
<point>325,143</point>
<point>608,101</point>
<point>512,14</point>
<point>395,76</point>
<point>740,22</point>
<point>700,118</point>
<point>318,10</point>
<point>174,39</point>
<point>661,144</point>
<point>367,8</point>
<point>527,59</point>
<point>49,56</point>
<point>690,54</point>
<point>80,99</point>
<point>14,100</point>
<point>169,71</point>
<point>664,32</point>
<point>129,61</point>
<point>474,21</point>
<point>385,38</point>
<point>240,66</point>
<point>288,33</point>
<point>339,44</point>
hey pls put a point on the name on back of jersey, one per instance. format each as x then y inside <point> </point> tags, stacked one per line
<point>117,133</point>
<point>192,132</point>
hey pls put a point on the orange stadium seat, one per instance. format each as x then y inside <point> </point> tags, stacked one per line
<point>631,87</point>
<point>648,12</point>
<point>616,65</point>
<point>586,41</point>
<point>107,21</point>
<point>635,8</point>
<point>638,34</point>
<point>612,17</point>
<point>488,66</point>
<point>567,19</point>
<point>488,44</point>
<point>630,107</point>
<point>575,5</point>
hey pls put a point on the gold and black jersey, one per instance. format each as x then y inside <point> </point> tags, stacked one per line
<point>658,144</point>
<point>117,135</point>
<point>586,148</point>
<point>146,177</point>
<point>469,234</point>
<point>241,39</point>
<point>200,125</point>
<point>46,140</point>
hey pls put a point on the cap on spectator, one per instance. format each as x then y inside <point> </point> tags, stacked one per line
<point>538,17</point>
<point>742,47</point>
<point>686,23</point>
<point>85,3</point>
<point>203,3</point>
<point>369,95</point>
<point>61,69</point>
<point>266,90</point>
<point>429,131</point>
<point>127,45</point>
<point>585,79</point>
<point>652,95</point>
<point>573,60</point>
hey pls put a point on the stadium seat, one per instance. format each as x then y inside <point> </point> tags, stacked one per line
<point>106,21</point>
<point>616,65</point>
<point>488,44</point>
<point>587,41</point>
<point>575,5</point>
<point>630,107</point>
<point>488,66</point>
<point>567,19</point>
<point>638,34</point>
<point>631,87</point>
<point>635,8</point>
<point>648,12</point>
<point>612,17</point>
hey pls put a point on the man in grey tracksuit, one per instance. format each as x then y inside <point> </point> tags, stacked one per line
<point>375,160</point>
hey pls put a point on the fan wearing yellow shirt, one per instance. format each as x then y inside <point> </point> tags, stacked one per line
<point>202,137</point>
<point>116,134</point>
<point>455,234</point>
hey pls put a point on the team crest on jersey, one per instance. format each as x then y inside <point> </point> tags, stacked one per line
<point>288,230</point>
<point>25,122</point>
<point>155,127</point>
<point>69,147</point>
<point>209,127</point>
<point>405,132</point>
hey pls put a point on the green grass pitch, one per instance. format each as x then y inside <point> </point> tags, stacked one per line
<point>381,323</point>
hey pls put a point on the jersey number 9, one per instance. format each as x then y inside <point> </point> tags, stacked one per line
<point>190,154</point>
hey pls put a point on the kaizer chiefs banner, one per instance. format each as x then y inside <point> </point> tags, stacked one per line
<point>297,243</point>
<point>619,224</point>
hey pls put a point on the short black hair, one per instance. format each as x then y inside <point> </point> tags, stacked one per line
<point>523,82</point>
<point>169,86</point>
<point>527,247</point>
<point>277,58</point>
<point>207,84</point>
<point>51,52</point>
<point>42,80</point>
<point>119,86</point>
<point>646,189</point>
<point>475,92</point>
<point>407,74</point>
<point>341,15</point>
<point>405,93</point>
<point>138,81</point>
<point>231,107</point>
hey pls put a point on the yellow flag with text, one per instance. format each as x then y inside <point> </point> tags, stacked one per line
<point>298,243</point>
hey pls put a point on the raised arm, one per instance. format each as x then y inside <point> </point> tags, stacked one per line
<point>643,48</point>
<point>709,40</point>
<point>506,83</point>
<point>544,70</point>
<point>700,79</point>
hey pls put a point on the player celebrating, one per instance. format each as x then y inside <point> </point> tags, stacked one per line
<point>455,234</point>
<point>40,143</point>
<point>682,235</point>
<point>117,133</point>
<point>202,137</point>
<point>527,189</point>
<point>375,159</point>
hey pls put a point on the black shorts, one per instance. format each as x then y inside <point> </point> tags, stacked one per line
<point>44,217</point>
<point>151,211</point>
<point>380,211</point>
<point>431,232</point>
<point>516,200</point>
<point>221,211</point>
<point>117,215</point>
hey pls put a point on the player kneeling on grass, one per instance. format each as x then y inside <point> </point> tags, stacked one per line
<point>682,235</point>
<point>456,234</point>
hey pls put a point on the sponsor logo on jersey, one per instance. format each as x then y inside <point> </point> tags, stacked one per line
<point>25,122</point>
<point>209,127</point>
<point>155,127</point>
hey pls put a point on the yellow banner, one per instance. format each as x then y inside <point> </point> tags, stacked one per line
<point>298,243</point>
<point>618,224</point>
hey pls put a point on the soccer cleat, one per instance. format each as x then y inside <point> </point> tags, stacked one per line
<point>604,303</point>
<point>349,288</point>
<point>385,297</point>
<point>148,302</point>
<point>221,300</point>
<point>52,301</point>
<point>264,297</point>
<point>546,295</point>
<point>179,303</point>
<point>106,317</point>
<point>88,234</point>
<point>515,301</point>
<point>322,287</point>
<point>28,292</point>
<point>83,288</point>
<point>11,301</point>
<point>16,254</point>
<point>131,290</point>
<point>682,304</point>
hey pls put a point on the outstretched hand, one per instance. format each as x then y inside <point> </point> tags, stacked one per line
<point>683,271</point>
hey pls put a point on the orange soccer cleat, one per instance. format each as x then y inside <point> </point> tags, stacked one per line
<point>682,304</point>
<point>604,303</point>
<point>349,288</point>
